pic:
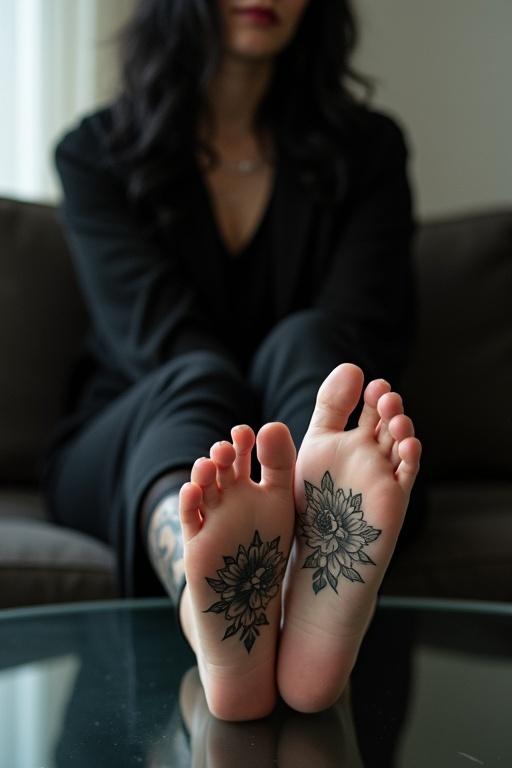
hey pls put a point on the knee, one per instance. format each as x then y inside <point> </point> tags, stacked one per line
<point>195,384</point>
<point>297,327</point>
<point>302,340</point>
<point>194,366</point>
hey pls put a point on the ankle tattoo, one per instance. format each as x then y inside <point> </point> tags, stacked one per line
<point>166,545</point>
<point>246,585</point>
<point>333,526</point>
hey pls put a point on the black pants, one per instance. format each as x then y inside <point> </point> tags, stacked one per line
<point>97,479</point>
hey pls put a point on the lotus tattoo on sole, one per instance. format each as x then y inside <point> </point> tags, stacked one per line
<point>246,585</point>
<point>333,526</point>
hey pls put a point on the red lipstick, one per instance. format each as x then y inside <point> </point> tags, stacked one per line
<point>264,17</point>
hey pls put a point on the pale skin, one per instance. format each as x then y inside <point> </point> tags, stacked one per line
<point>221,507</point>
<point>308,644</point>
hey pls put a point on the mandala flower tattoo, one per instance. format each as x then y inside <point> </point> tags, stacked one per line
<point>246,585</point>
<point>333,526</point>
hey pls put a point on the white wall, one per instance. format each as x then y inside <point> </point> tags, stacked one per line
<point>445,68</point>
<point>54,65</point>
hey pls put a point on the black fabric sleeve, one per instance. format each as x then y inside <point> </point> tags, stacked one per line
<point>142,309</point>
<point>367,293</point>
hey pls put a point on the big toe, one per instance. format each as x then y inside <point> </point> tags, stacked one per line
<point>276,454</point>
<point>336,399</point>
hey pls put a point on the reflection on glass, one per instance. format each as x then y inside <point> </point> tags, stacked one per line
<point>287,739</point>
<point>33,699</point>
<point>111,688</point>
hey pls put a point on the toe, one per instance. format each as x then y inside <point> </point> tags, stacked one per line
<point>243,440</point>
<point>223,454</point>
<point>369,417</point>
<point>388,406</point>
<point>190,500</point>
<point>337,398</point>
<point>400,427</point>
<point>276,454</point>
<point>410,452</point>
<point>204,473</point>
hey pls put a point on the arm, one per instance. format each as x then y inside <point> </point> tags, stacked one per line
<point>142,309</point>
<point>367,292</point>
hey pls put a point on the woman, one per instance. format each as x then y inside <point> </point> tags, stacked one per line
<point>240,226</point>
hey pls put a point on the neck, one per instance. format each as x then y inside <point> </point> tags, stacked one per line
<point>235,94</point>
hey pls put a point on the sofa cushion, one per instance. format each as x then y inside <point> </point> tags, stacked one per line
<point>41,321</point>
<point>464,548</point>
<point>44,563</point>
<point>17,503</point>
<point>459,381</point>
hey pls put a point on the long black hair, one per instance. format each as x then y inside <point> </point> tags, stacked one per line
<point>169,51</point>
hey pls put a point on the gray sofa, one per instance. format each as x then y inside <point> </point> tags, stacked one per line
<point>458,387</point>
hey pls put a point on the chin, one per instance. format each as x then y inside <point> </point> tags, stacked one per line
<point>253,47</point>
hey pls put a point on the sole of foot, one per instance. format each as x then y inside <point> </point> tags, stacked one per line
<point>237,536</point>
<point>352,490</point>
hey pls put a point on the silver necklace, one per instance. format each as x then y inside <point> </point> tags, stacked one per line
<point>243,167</point>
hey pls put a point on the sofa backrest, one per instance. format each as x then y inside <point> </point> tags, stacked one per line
<point>42,321</point>
<point>458,385</point>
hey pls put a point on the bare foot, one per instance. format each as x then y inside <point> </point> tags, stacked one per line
<point>237,536</point>
<point>351,489</point>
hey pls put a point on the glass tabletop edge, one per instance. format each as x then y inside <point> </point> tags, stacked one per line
<point>163,603</point>
<point>445,604</point>
<point>59,609</point>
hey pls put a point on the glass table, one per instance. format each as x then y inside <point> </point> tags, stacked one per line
<point>113,684</point>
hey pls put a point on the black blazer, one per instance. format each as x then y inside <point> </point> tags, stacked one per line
<point>151,297</point>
